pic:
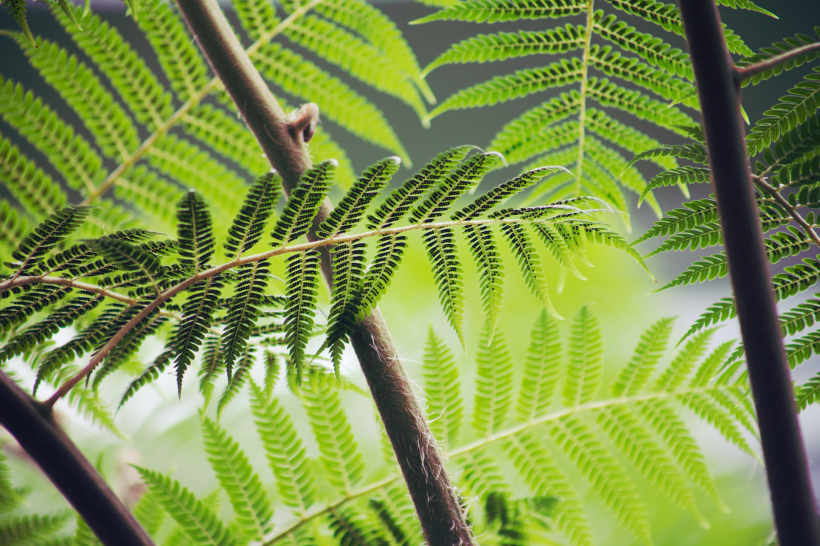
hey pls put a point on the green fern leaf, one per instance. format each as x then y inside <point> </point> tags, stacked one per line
<point>491,272</point>
<point>243,309</point>
<point>529,263</point>
<point>602,470</point>
<point>47,235</point>
<point>779,48</point>
<point>256,16</point>
<point>13,225</point>
<point>509,45</point>
<point>87,403</point>
<point>237,478</point>
<point>482,476</point>
<point>691,215</point>
<point>802,348</point>
<point>747,5</point>
<point>227,135</point>
<point>702,236</point>
<point>542,370</point>
<point>389,252</point>
<point>350,210</point>
<point>149,375</point>
<point>357,57</point>
<point>800,317</point>
<point>634,441</point>
<point>139,88</point>
<point>199,523</point>
<point>652,346</point>
<point>304,201</point>
<point>249,224</point>
<point>72,156</point>
<point>350,528</point>
<point>447,272</point>
<point>398,203</point>
<point>443,389</point>
<point>584,372</point>
<point>503,192</point>
<point>616,167</point>
<point>303,282</point>
<point>710,411</point>
<point>494,11</point>
<point>792,110</point>
<point>285,452</point>
<point>693,152</point>
<point>348,262</point>
<point>336,99</point>
<point>126,348</point>
<point>35,190</point>
<point>210,367</point>
<point>463,179</point>
<point>127,257</point>
<point>112,128</point>
<point>799,144</point>
<point>621,134</point>
<point>31,529</point>
<point>179,57</point>
<point>495,385</point>
<point>681,175</point>
<point>518,85</point>
<point>682,365</point>
<point>808,393</point>
<point>338,450</point>
<point>149,513</point>
<point>153,195</point>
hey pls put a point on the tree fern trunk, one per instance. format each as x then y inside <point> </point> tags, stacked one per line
<point>795,512</point>
<point>32,424</point>
<point>440,513</point>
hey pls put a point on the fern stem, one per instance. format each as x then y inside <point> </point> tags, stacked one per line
<point>62,281</point>
<point>33,425</point>
<point>163,128</point>
<point>718,82</point>
<point>579,169</point>
<point>752,70</point>
<point>783,202</point>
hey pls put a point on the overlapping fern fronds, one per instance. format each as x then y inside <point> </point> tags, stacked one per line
<point>119,100</point>
<point>123,287</point>
<point>783,148</point>
<point>566,421</point>
<point>612,67</point>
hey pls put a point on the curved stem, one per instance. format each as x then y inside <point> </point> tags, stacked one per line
<point>752,70</point>
<point>783,202</point>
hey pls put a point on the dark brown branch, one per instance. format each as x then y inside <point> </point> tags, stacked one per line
<point>437,504</point>
<point>32,425</point>
<point>795,512</point>
<point>753,70</point>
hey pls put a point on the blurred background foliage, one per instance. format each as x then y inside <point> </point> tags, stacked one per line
<point>163,433</point>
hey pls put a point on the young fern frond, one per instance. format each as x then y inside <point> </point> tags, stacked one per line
<point>494,384</point>
<point>303,203</point>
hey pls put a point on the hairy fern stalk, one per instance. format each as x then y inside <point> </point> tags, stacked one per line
<point>783,145</point>
<point>560,406</point>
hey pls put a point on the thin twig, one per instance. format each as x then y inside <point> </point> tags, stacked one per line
<point>783,202</point>
<point>61,281</point>
<point>753,70</point>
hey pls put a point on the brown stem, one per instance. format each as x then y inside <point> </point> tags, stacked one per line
<point>440,513</point>
<point>32,425</point>
<point>795,512</point>
<point>753,70</point>
<point>783,202</point>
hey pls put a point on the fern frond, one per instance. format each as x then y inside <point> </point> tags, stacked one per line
<point>249,225</point>
<point>13,225</point>
<point>514,86</point>
<point>682,365</point>
<point>691,215</point>
<point>237,478</point>
<point>491,272</point>
<point>602,470</point>
<point>502,192</point>
<point>529,263</point>
<point>350,528</point>
<point>398,203</point>
<point>341,104</point>
<point>303,203</point>
<point>495,11</point>
<point>127,257</point>
<point>256,16</point>
<point>357,57</point>
<point>584,372</point>
<point>652,346</point>
<point>199,523</point>
<point>808,393</point>
<point>463,179</point>
<point>31,529</point>
<point>792,110</point>
<point>495,376</point>
<point>72,155</point>
<point>701,236</point>
<point>112,128</point>
<point>350,210</point>
<point>243,309</point>
<point>775,49</point>
<point>126,348</point>
<point>225,134</point>
<point>285,452</point>
<point>745,4</point>
<point>348,261</point>
<point>35,190</point>
<point>711,412</point>
<point>693,152</point>
<point>149,375</point>
<point>542,370</point>
<point>149,513</point>
<point>303,282</point>
<point>389,252</point>
<point>210,367</point>
<point>800,317</point>
<point>802,348</point>
<point>798,144</point>
<point>443,388</point>
<point>620,134</point>
<point>447,272</point>
<point>197,316</point>
<point>338,450</point>
<point>47,235</point>
<point>87,403</point>
<point>680,175</point>
<point>139,88</point>
<point>616,166</point>
<point>509,45</point>
<point>652,460</point>
<point>178,56</point>
<point>153,195</point>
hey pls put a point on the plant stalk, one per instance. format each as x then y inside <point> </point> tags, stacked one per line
<point>32,425</point>
<point>437,504</point>
<point>795,511</point>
